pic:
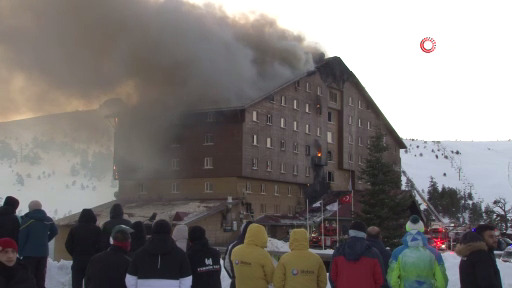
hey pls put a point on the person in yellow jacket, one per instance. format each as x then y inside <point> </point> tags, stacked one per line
<point>252,264</point>
<point>300,268</point>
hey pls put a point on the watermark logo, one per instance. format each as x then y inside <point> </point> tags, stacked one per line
<point>295,272</point>
<point>237,262</point>
<point>432,45</point>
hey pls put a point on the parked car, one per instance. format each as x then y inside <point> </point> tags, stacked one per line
<point>504,243</point>
<point>507,255</point>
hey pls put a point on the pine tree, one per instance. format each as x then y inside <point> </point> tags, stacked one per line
<point>475,214</point>
<point>383,205</point>
<point>433,194</point>
<point>489,214</point>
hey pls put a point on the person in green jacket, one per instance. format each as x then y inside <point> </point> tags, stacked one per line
<point>415,263</point>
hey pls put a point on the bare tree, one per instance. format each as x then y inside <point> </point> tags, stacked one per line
<point>502,212</point>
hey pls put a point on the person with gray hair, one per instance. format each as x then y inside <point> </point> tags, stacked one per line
<point>374,239</point>
<point>37,229</point>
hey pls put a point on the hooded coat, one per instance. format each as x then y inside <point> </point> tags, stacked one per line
<point>228,264</point>
<point>84,239</point>
<point>37,229</point>
<point>252,264</point>
<point>116,218</point>
<point>477,268</point>
<point>108,269</point>
<point>17,276</point>
<point>356,264</point>
<point>300,267</point>
<point>415,264</point>
<point>205,265</point>
<point>9,222</point>
<point>138,236</point>
<point>180,236</point>
<point>160,263</point>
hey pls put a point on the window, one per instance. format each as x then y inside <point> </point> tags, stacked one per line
<point>307,108</point>
<point>307,129</point>
<point>283,123</point>
<point>269,142</point>
<point>359,122</point>
<point>254,139</point>
<point>254,163</point>
<point>248,187</point>
<point>283,145</point>
<point>269,165</point>
<point>384,140</point>
<point>350,157</point>
<point>296,104</point>
<point>297,83</point>
<point>208,162</point>
<point>272,98</point>
<point>319,90</point>
<point>333,97</point>
<point>255,116</point>
<point>350,140</point>
<point>368,143</point>
<point>141,189</point>
<point>263,188</point>
<point>301,193</point>
<point>318,131</point>
<point>329,117</point>
<point>175,187</point>
<point>289,191</point>
<point>175,164</point>
<point>290,210</point>
<point>295,126</point>
<point>295,147</point>
<point>330,176</point>
<point>360,160</point>
<point>276,190</point>
<point>208,139</point>
<point>210,117</point>
<point>308,150</point>
<point>329,137</point>
<point>350,120</point>
<point>263,208</point>
<point>208,187</point>
<point>329,156</point>
<point>277,209</point>
<point>283,100</point>
<point>308,171</point>
<point>295,169</point>
<point>269,119</point>
<point>350,102</point>
<point>360,104</point>
<point>370,125</point>
<point>359,141</point>
<point>308,87</point>
<point>283,168</point>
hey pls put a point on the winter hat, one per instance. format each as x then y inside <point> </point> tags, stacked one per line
<point>357,229</point>
<point>161,226</point>
<point>6,243</point>
<point>415,224</point>
<point>118,228</point>
<point>11,202</point>
<point>34,204</point>
<point>470,237</point>
<point>196,233</point>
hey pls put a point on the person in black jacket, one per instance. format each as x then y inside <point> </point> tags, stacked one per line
<point>108,269</point>
<point>83,242</point>
<point>116,218</point>
<point>478,266</point>
<point>204,260</point>
<point>374,238</point>
<point>13,273</point>
<point>138,236</point>
<point>9,222</point>
<point>160,263</point>
<point>228,264</point>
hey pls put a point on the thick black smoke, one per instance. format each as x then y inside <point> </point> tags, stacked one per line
<point>61,55</point>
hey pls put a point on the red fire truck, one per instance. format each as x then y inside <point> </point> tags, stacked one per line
<point>438,236</point>
<point>330,238</point>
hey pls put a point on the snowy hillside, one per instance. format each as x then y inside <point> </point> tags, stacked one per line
<point>63,160</point>
<point>485,167</point>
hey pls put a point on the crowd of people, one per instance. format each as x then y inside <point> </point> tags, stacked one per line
<point>149,254</point>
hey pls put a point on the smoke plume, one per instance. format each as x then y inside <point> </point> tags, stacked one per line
<point>62,55</point>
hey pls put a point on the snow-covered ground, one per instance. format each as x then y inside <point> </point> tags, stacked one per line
<point>485,167</point>
<point>59,273</point>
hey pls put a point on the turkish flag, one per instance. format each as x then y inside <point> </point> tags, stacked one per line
<point>346,199</point>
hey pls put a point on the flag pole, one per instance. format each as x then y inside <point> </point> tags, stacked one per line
<point>307,215</point>
<point>352,195</point>
<point>322,226</point>
<point>337,221</point>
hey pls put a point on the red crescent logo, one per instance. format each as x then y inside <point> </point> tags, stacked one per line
<point>428,39</point>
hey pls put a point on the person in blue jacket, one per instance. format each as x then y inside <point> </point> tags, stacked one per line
<point>36,230</point>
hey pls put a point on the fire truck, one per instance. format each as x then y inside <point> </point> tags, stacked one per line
<point>330,237</point>
<point>438,236</point>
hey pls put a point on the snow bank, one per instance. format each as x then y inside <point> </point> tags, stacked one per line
<point>59,273</point>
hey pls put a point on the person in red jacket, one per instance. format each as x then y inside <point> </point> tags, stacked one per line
<point>355,263</point>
